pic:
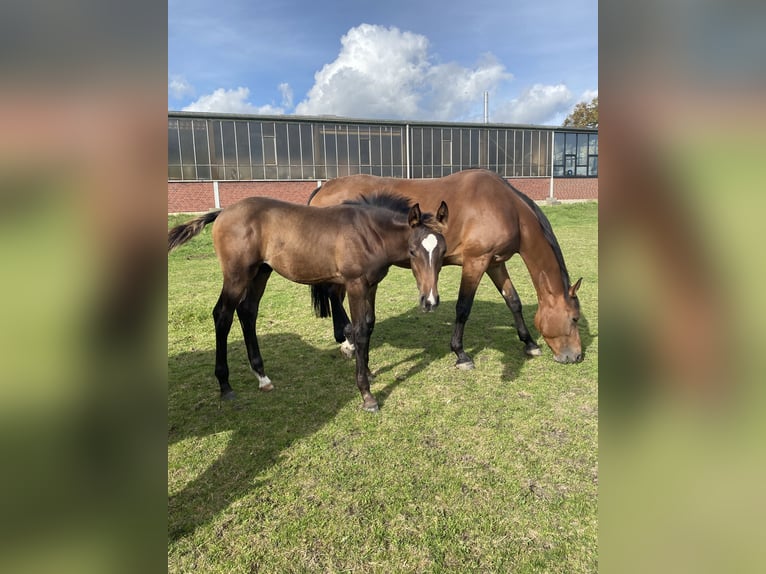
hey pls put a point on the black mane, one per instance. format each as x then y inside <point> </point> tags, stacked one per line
<point>384,200</point>
<point>549,235</point>
<point>398,205</point>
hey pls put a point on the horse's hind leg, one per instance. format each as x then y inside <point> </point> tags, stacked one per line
<point>223,315</point>
<point>340,321</point>
<point>247,311</point>
<point>501,279</point>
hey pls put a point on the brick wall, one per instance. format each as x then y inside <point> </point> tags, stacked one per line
<point>198,196</point>
<point>293,191</point>
<point>189,196</point>
<point>563,188</point>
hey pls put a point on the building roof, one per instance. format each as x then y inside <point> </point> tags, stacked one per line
<point>345,120</point>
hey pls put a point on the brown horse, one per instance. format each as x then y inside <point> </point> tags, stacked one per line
<point>352,245</point>
<point>490,221</point>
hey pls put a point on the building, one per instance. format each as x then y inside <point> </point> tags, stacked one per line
<point>217,159</point>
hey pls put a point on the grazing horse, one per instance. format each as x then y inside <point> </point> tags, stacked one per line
<point>352,245</point>
<point>490,221</point>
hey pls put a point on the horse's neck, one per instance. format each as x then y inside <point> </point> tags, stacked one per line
<point>399,249</point>
<point>395,240</point>
<point>538,256</point>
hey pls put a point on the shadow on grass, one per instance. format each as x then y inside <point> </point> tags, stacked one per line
<point>490,326</point>
<point>311,386</point>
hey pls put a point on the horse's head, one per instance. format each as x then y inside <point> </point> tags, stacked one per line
<point>557,320</point>
<point>426,249</point>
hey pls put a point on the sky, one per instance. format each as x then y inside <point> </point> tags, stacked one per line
<point>388,59</point>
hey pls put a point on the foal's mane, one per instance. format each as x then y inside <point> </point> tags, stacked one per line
<point>383,200</point>
<point>398,205</point>
<point>550,237</point>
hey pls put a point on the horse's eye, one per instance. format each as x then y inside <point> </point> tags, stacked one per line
<point>412,253</point>
<point>575,319</point>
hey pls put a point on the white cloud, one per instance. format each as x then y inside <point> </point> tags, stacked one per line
<point>377,73</point>
<point>457,93</point>
<point>387,73</point>
<point>178,87</point>
<point>539,104</point>
<point>287,95</point>
<point>230,101</point>
<point>586,97</point>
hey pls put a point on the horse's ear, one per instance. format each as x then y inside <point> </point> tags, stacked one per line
<point>414,216</point>
<point>442,213</point>
<point>573,289</point>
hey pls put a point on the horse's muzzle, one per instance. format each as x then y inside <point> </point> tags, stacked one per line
<point>568,357</point>
<point>428,303</point>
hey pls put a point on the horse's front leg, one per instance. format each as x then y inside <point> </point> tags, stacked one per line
<point>362,323</point>
<point>473,269</point>
<point>501,279</point>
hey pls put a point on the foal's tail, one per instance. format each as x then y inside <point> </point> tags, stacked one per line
<point>180,234</point>
<point>320,298</point>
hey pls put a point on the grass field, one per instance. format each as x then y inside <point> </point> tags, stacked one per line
<point>490,470</point>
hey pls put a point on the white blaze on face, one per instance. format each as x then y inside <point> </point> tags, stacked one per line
<point>429,243</point>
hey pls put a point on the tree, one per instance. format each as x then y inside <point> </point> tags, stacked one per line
<point>584,115</point>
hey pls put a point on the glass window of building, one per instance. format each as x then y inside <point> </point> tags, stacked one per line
<point>205,148</point>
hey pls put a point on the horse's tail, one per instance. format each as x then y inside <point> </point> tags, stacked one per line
<point>180,234</point>
<point>320,298</point>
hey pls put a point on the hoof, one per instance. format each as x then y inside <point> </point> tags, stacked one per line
<point>465,365</point>
<point>264,383</point>
<point>533,350</point>
<point>347,350</point>
<point>370,406</point>
<point>228,396</point>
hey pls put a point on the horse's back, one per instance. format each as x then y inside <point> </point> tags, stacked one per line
<point>351,187</point>
<point>465,189</point>
<point>484,209</point>
<point>292,238</point>
<point>303,243</point>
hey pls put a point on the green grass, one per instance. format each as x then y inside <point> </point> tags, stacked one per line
<point>491,470</point>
